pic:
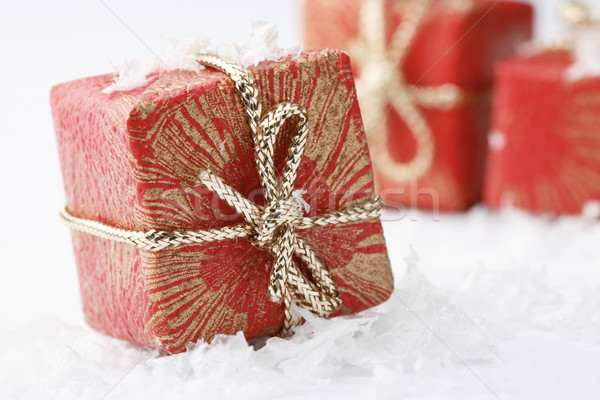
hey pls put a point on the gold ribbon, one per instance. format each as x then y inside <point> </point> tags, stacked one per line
<point>272,227</point>
<point>382,84</point>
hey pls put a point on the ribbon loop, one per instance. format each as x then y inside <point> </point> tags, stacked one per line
<point>275,215</point>
<point>271,126</point>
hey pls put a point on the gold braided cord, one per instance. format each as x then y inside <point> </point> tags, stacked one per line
<point>382,86</point>
<point>155,240</point>
<point>272,227</point>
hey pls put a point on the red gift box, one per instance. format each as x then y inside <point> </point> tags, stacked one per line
<point>132,160</point>
<point>423,87</point>
<point>545,140</point>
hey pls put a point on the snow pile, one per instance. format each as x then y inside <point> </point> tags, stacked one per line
<point>420,328</point>
<point>263,45</point>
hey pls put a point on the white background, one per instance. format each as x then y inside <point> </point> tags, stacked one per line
<point>528,284</point>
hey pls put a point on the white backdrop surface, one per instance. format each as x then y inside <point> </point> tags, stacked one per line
<point>499,305</point>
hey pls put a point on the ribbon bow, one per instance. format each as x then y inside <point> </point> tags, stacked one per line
<point>274,225</point>
<point>382,83</point>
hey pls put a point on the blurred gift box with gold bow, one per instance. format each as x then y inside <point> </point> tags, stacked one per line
<point>424,79</point>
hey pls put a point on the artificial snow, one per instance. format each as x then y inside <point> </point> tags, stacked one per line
<point>302,204</point>
<point>487,305</point>
<point>263,45</point>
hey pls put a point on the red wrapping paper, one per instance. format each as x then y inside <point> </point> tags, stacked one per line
<point>545,141</point>
<point>132,160</point>
<point>457,43</point>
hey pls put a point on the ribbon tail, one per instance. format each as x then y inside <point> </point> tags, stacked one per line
<point>290,285</point>
<point>283,252</point>
<point>278,287</point>
<point>321,275</point>
<point>322,297</point>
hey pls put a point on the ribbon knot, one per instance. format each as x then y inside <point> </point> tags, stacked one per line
<point>275,215</point>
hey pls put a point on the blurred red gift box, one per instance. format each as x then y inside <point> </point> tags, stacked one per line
<point>424,77</point>
<point>545,140</point>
